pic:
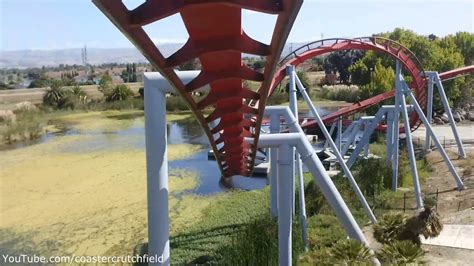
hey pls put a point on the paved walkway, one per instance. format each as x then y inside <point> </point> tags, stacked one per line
<point>445,134</point>
<point>453,235</point>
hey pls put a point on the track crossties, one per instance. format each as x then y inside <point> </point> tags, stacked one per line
<point>217,40</point>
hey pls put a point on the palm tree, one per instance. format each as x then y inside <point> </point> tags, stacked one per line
<point>401,253</point>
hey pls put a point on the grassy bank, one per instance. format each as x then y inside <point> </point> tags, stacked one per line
<point>30,125</point>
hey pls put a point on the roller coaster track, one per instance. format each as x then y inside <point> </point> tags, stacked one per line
<point>411,65</point>
<point>217,39</point>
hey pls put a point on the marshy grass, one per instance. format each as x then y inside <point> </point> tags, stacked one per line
<point>27,125</point>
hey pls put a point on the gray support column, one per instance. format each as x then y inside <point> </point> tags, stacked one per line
<point>399,85</point>
<point>274,129</point>
<point>350,139</point>
<point>452,123</point>
<point>339,157</point>
<point>321,178</point>
<point>290,71</point>
<point>368,130</point>
<point>331,130</point>
<point>389,141</point>
<point>429,111</point>
<point>157,173</point>
<point>438,145</point>
<point>411,153</point>
<point>285,161</point>
<point>396,134</point>
<point>339,133</point>
<point>298,164</point>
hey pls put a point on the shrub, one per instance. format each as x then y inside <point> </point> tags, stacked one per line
<point>176,103</point>
<point>132,103</point>
<point>373,175</point>
<point>255,244</point>
<point>278,98</point>
<point>324,231</point>
<point>395,226</point>
<point>119,93</point>
<point>54,96</point>
<point>314,199</point>
<point>341,93</point>
<point>304,81</point>
<point>432,225</point>
<point>27,125</point>
<point>401,253</point>
<point>80,94</point>
<point>389,227</point>
<point>349,252</point>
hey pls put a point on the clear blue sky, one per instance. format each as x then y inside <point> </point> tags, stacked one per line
<point>57,24</point>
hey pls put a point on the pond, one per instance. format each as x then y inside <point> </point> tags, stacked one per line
<point>131,134</point>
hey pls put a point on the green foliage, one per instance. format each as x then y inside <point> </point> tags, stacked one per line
<point>106,85</point>
<point>176,103</point>
<point>28,124</point>
<point>39,81</point>
<point>350,252</point>
<point>389,228</point>
<point>341,93</point>
<point>55,96</point>
<point>192,64</point>
<point>340,62</point>
<point>257,244</point>
<point>442,54</point>
<point>79,94</point>
<point>277,98</point>
<point>382,80</point>
<point>324,230</point>
<point>130,103</point>
<point>437,54</point>
<point>401,253</point>
<point>226,216</point>
<point>373,175</point>
<point>258,64</point>
<point>429,201</point>
<point>304,80</point>
<point>255,63</point>
<point>313,198</point>
<point>119,93</point>
<point>129,74</point>
<point>360,70</point>
<point>78,91</point>
<point>465,43</point>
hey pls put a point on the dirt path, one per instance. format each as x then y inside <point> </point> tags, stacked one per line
<point>455,207</point>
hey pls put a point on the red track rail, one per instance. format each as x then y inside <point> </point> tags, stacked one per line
<point>456,72</point>
<point>216,38</point>
<point>409,62</point>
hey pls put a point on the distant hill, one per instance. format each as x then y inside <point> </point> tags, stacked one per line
<point>39,58</point>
